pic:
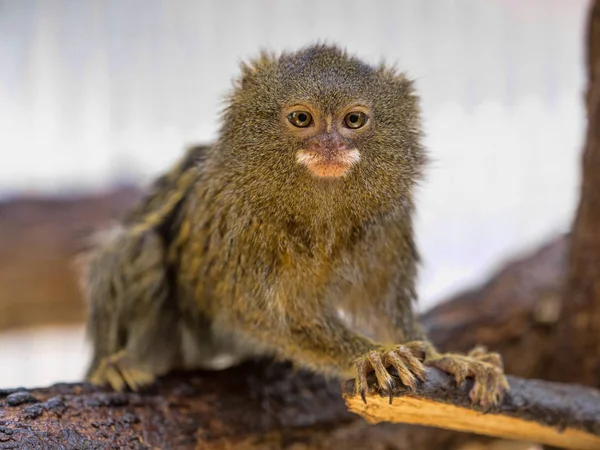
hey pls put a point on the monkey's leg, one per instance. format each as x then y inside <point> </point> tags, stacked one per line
<point>131,323</point>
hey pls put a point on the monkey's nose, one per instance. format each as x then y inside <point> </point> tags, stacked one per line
<point>330,150</point>
<point>329,145</point>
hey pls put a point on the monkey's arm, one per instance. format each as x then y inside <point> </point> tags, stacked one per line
<point>319,340</point>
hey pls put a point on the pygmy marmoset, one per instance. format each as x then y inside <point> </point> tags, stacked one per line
<point>291,236</point>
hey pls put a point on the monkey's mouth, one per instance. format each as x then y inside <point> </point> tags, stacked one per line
<point>328,165</point>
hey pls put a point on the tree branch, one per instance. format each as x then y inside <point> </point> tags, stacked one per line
<point>258,405</point>
<point>550,413</point>
<point>39,238</point>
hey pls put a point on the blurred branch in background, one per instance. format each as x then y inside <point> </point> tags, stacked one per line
<point>577,354</point>
<point>39,239</point>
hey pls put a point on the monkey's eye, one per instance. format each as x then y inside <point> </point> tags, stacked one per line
<point>300,119</point>
<point>356,119</point>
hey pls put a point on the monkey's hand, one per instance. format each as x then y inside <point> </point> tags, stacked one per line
<point>406,359</point>
<point>411,359</point>
<point>120,371</point>
<point>486,369</point>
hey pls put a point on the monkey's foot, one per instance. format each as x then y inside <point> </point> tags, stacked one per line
<point>119,371</point>
<point>486,369</point>
<point>408,365</point>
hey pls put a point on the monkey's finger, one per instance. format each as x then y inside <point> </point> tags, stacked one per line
<point>478,352</point>
<point>482,392</point>
<point>420,349</point>
<point>384,379</point>
<point>413,364</point>
<point>115,379</point>
<point>130,379</point>
<point>97,378</point>
<point>452,365</point>
<point>480,382</point>
<point>106,374</point>
<point>504,383</point>
<point>405,375</point>
<point>477,391</point>
<point>499,385</point>
<point>492,358</point>
<point>361,386</point>
<point>135,378</point>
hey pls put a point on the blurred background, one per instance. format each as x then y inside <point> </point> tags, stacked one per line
<point>99,96</point>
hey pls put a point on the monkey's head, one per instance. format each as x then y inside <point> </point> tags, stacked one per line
<point>319,125</point>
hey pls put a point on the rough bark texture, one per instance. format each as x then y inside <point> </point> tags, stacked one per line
<point>255,406</point>
<point>262,405</point>
<point>577,357</point>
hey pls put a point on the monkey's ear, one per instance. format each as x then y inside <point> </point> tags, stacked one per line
<point>391,73</point>
<point>254,67</point>
<point>394,77</point>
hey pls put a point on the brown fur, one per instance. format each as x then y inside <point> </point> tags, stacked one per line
<point>241,251</point>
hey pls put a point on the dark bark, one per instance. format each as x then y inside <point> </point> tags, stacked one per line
<point>256,406</point>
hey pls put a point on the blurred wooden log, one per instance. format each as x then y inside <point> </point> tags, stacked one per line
<point>38,240</point>
<point>515,313</point>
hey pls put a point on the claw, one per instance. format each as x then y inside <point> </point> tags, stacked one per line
<point>414,365</point>
<point>361,386</point>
